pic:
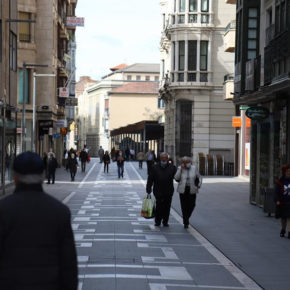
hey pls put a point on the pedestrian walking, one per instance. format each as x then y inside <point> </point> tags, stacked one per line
<point>132,154</point>
<point>101,153</point>
<point>84,158</point>
<point>45,159</point>
<point>72,164</point>
<point>113,154</point>
<point>140,158</point>
<point>161,178</point>
<point>51,168</point>
<point>107,161</point>
<point>150,159</point>
<point>282,199</point>
<point>127,153</point>
<point>37,248</point>
<point>120,164</point>
<point>189,181</point>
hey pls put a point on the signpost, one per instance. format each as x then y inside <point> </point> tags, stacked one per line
<point>75,21</point>
<point>63,92</point>
<point>257,113</point>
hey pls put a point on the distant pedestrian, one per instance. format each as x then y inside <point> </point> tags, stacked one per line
<point>150,159</point>
<point>72,164</point>
<point>120,164</point>
<point>282,199</point>
<point>84,159</point>
<point>161,177</point>
<point>51,168</point>
<point>66,155</point>
<point>101,153</point>
<point>113,154</point>
<point>189,181</point>
<point>107,161</point>
<point>132,154</point>
<point>140,158</point>
<point>45,159</point>
<point>37,248</point>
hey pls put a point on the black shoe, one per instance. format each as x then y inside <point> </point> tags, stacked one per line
<point>282,233</point>
<point>186,226</point>
<point>47,182</point>
<point>166,225</point>
<point>157,224</point>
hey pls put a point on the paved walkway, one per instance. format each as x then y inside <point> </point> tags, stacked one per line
<point>117,249</point>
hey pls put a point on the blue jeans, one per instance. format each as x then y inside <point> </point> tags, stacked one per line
<point>120,171</point>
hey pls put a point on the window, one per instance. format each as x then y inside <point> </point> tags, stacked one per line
<point>13,51</point>
<point>24,28</point>
<point>192,54</point>
<point>181,5</point>
<point>204,6</point>
<point>138,78</point>
<point>181,77</point>
<point>181,55</point>
<point>174,55</point>
<point>203,55</point>
<point>129,78</point>
<point>204,18</point>
<point>164,21</point>
<point>192,5</point>
<point>161,103</point>
<point>147,78</point>
<point>156,78</point>
<point>181,19</point>
<point>252,33</point>
<point>20,86</point>
<point>173,19</point>
<point>192,18</point>
<point>191,77</point>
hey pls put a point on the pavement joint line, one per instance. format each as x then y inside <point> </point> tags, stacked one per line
<point>69,197</point>
<point>154,286</point>
<point>242,277</point>
<point>87,176</point>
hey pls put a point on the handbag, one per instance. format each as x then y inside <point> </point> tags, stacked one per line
<point>148,207</point>
<point>88,159</point>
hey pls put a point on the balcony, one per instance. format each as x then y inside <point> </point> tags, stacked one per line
<point>230,1</point>
<point>230,37</point>
<point>228,87</point>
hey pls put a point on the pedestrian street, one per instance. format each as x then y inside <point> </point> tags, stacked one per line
<point>118,249</point>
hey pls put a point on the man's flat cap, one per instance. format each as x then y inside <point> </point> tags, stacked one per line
<point>28,163</point>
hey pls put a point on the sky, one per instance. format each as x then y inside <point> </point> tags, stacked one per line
<point>116,31</point>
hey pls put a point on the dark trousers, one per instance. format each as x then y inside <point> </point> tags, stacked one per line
<point>72,174</point>
<point>163,209</point>
<point>141,164</point>
<point>121,170</point>
<point>187,202</point>
<point>84,166</point>
<point>51,176</point>
<point>149,165</point>
<point>106,166</point>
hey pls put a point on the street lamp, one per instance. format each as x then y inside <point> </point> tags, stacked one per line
<point>35,75</point>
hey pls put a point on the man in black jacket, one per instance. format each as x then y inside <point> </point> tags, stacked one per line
<point>37,249</point>
<point>84,159</point>
<point>161,178</point>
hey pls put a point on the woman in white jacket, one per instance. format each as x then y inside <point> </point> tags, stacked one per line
<point>189,181</point>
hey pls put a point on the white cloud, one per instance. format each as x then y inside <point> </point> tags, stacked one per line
<point>115,32</point>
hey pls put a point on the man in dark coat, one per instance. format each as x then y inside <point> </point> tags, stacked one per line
<point>84,159</point>
<point>72,164</point>
<point>161,177</point>
<point>37,249</point>
<point>51,168</point>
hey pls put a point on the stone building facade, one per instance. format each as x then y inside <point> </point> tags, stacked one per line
<point>193,66</point>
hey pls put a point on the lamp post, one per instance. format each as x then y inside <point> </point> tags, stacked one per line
<point>35,75</point>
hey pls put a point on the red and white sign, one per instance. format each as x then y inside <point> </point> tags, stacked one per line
<point>75,21</point>
<point>63,92</point>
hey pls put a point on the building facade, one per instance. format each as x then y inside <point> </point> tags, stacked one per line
<point>96,98</point>
<point>47,48</point>
<point>262,83</point>
<point>193,66</point>
<point>8,89</point>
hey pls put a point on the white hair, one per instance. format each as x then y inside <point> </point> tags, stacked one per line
<point>186,159</point>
